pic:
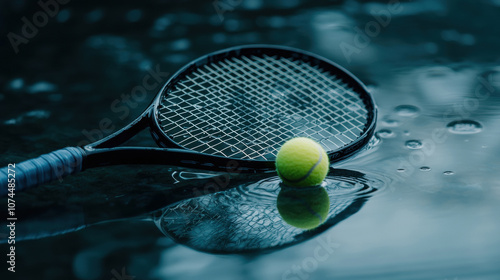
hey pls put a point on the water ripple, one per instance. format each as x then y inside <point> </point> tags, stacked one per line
<point>246,219</point>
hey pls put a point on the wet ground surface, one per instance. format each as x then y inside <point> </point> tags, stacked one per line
<point>433,69</point>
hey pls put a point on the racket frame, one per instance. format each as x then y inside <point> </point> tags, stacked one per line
<point>107,151</point>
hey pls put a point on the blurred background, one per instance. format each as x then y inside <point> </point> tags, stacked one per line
<point>432,66</point>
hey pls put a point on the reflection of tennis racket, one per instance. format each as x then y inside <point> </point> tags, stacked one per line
<point>239,217</point>
<point>229,111</point>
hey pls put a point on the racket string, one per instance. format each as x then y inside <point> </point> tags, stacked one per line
<point>266,102</point>
<point>326,87</point>
<point>294,75</point>
<point>335,85</point>
<point>246,107</point>
<point>233,222</point>
<point>267,105</point>
<point>321,114</point>
<point>299,90</point>
<point>242,145</point>
<point>253,112</point>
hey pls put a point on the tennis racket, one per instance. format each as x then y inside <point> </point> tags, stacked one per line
<point>229,111</point>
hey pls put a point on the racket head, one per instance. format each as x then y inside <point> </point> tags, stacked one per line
<point>244,102</point>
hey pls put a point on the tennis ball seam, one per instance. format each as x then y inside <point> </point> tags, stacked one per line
<point>309,171</point>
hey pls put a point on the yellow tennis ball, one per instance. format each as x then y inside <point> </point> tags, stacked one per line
<point>302,162</point>
<point>304,208</point>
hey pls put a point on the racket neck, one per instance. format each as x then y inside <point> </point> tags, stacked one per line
<point>122,135</point>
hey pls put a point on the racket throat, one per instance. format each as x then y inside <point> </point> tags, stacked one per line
<point>121,136</point>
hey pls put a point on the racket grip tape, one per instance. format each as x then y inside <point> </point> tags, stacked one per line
<point>40,170</point>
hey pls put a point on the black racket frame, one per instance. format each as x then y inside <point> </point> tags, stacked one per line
<point>107,151</point>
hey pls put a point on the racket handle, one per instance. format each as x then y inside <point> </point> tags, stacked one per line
<point>40,170</point>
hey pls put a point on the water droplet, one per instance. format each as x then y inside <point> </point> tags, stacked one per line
<point>297,117</point>
<point>38,114</point>
<point>10,122</point>
<point>407,110</point>
<point>279,92</point>
<point>425,168</point>
<point>353,107</point>
<point>438,71</point>
<point>386,133</point>
<point>197,106</point>
<point>16,84</point>
<point>401,170</point>
<point>233,149</point>
<point>413,144</point>
<point>372,89</point>
<point>41,86</point>
<point>406,133</point>
<point>374,141</point>
<point>252,4</point>
<point>464,127</point>
<point>180,45</point>
<point>390,123</point>
<point>448,173</point>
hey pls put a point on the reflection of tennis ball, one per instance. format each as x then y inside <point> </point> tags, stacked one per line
<point>301,162</point>
<point>304,208</point>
